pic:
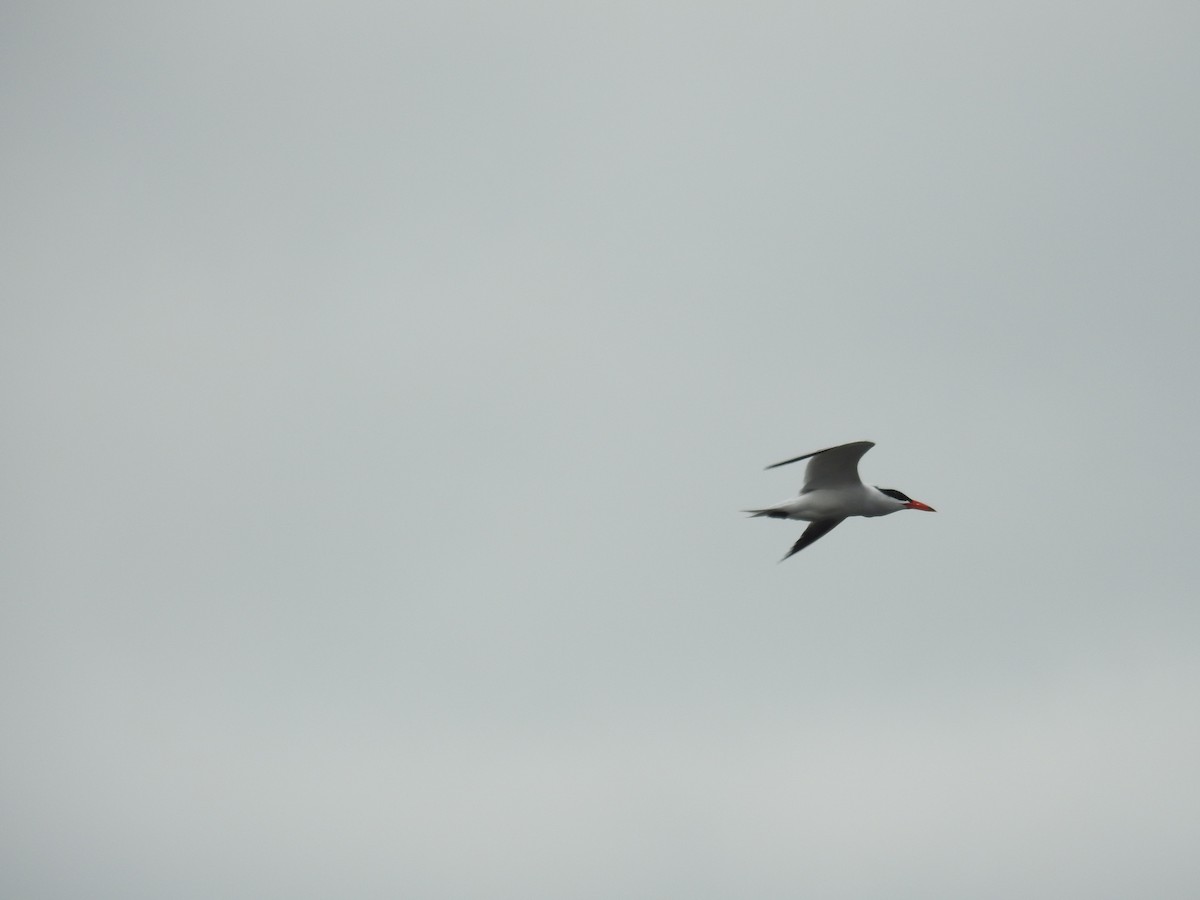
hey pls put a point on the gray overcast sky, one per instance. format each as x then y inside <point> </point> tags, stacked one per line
<point>382,383</point>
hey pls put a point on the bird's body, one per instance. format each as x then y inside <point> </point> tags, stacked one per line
<point>833,492</point>
<point>826,503</point>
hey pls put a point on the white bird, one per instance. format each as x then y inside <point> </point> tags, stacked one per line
<point>833,492</point>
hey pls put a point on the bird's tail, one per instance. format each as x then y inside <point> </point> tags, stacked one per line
<point>773,513</point>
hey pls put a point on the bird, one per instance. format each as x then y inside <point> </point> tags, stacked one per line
<point>833,492</point>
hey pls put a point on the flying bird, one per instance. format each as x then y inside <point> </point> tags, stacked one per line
<point>833,492</point>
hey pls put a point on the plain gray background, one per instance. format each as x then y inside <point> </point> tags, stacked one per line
<point>382,383</point>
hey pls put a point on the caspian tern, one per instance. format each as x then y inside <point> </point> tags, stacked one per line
<point>833,492</point>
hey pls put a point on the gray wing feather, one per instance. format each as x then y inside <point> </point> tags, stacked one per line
<point>814,532</point>
<point>831,467</point>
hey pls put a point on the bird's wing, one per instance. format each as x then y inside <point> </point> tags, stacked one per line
<point>833,467</point>
<point>813,532</point>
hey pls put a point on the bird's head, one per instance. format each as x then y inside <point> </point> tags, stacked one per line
<point>909,502</point>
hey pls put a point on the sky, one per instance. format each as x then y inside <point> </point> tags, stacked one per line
<point>383,383</point>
